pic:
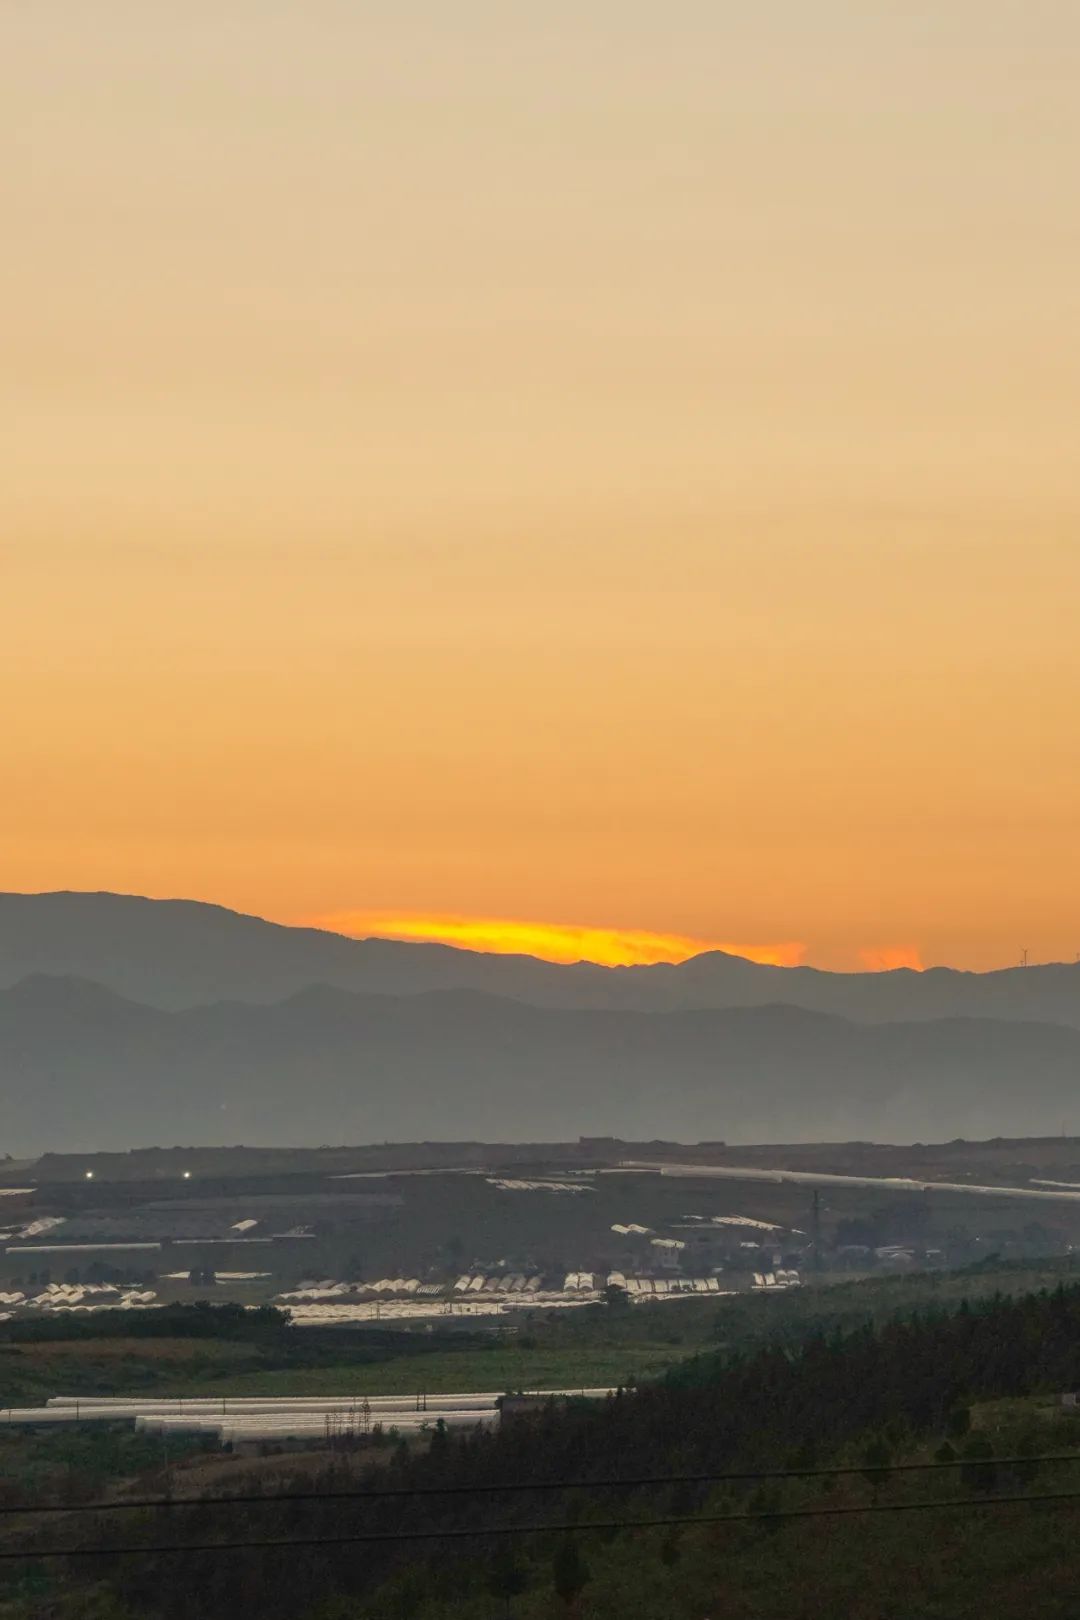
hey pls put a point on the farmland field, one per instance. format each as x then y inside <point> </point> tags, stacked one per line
<point>501,1368</point>
<point>597,1346</point>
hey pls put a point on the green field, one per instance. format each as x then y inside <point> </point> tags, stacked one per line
<point>171,1367</point>
<point>459,1371</point>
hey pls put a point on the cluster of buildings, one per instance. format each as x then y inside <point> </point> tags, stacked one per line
<point>312,1290</point>
<point>777,1279</point>
<point>518,1282</point>
<point>640,1288</point>
<point>509,1184</point>
<point>122,1247</point>
<point>483,1293</point>
<point>57,1297</point>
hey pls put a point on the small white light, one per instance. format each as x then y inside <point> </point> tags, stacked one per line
<point>187,1175</point>
<point>89,1175</point>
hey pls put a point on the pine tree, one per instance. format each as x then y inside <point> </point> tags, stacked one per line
<point>508,1576</point>
<point>570,1573</point>
<point>980,1474</point>
<point>876,1456</point>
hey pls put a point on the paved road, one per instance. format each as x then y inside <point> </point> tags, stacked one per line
<point>815,1178</point>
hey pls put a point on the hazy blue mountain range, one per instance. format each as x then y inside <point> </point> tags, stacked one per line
<point>83,1068</point>
<point>181,953</point>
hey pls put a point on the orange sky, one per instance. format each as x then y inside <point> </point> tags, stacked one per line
<point>606,467</point>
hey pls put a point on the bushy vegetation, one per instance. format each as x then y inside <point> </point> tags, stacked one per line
<point>77,1465</point>
<point>200,1320</point>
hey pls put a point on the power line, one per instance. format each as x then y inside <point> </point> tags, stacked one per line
<point>483,1531</point>
<point>642,1482</point>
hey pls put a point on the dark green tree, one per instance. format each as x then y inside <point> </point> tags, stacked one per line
<point>876,1457</point>
<point>670,1551</point>
<point>1028,1445</point>
<point>978,1472</point>
<point>958,1422</point>
<point>570,1573</point>
<point>508,1576</point>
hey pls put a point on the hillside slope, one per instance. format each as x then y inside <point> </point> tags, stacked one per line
<point>918,1466</point>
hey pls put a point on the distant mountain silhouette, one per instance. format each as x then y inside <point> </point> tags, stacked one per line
<point>83,1068</point>
<point>181,953</point>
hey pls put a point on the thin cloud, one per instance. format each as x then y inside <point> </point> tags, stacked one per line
<point>552,942</point>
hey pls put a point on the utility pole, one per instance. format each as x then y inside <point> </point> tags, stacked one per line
<point>815,1227</point>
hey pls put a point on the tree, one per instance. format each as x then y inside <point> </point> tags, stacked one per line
<point>958,1422</point>
<point>439,1444</point>
<point>1028,1445</point>
<point>570,1572</point>
<point>876,1457</point>
<point>979,1474</point>
<point>508,1577</point>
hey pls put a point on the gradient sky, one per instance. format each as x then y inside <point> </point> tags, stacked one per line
<point>602,464</point>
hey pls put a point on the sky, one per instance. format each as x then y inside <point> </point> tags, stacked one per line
<point>470,469</point>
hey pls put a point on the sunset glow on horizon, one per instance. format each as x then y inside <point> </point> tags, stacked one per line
<point>552,942</point>
<point>467,463</point>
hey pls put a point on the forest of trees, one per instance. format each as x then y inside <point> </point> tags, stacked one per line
<point>868,1397</point>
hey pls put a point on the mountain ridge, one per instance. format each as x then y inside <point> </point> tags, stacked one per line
<point>83,1068</point>
<point>176,953</point>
